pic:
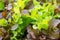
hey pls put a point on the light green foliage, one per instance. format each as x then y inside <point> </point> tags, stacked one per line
<point>57,16</point>
<point>3,22</point>
<point>42,14</point>
<point>22,3</point>
<point>22,21</point>
<point>2,5</point>
<point>16,15</point>
<point>35,2</point>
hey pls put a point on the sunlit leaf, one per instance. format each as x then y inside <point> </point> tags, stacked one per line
<point>3,22</point>
<point>2,5</point>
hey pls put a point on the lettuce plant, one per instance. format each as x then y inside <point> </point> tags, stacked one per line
<point>38,16</point>
<point>22,21</point>
<point>42,14</point>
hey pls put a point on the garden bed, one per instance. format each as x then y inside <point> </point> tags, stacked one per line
<point>29,20</point>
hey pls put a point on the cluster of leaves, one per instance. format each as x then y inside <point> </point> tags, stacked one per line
<point>42,14</point>
<point>3,22</point>
<point>18,23</point>
<point>21,21</point>
<point>39,17</point>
